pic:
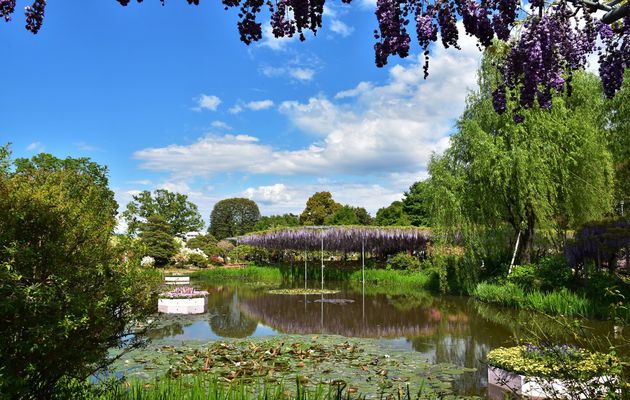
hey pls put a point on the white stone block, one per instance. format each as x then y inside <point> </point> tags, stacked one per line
<point>198,305</point>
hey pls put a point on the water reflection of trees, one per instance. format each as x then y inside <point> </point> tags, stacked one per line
<point>226,318</point>
<point>374,316</point>
<point>168,330</point>
<point>462,338</point>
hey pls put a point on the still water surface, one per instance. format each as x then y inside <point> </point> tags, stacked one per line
<point>442,329</point>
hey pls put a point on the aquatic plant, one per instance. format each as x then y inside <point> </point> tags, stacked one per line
<point>299,364</point>
<point>558,302</point>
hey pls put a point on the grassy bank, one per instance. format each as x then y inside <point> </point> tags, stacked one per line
<point>247,274</point>
<point>558,302</point>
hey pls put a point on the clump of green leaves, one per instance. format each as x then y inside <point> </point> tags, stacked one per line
<point>404,260</point>
<point>65,295</point>
<point>555,361</point>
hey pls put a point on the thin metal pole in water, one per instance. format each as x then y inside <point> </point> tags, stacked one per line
<point>322,260</point>
<point>363,259</point>
<point>363,271</point>
<point>305,271</point>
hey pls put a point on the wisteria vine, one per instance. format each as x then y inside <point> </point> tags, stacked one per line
<point>547,41</point>
<point>379,240</point>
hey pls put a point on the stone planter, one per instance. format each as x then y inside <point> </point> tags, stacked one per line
<point>177,280</point>
<point>501,381</point>
<point>196,305</point>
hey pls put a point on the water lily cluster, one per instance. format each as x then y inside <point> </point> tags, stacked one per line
<point>184,292</point>
<point>380,240</point>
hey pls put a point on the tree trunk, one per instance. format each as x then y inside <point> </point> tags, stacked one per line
<point>527,241</point>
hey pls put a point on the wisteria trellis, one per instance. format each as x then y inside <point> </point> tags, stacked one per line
<point>380,240</point>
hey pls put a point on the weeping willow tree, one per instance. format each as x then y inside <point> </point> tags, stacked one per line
<point>501,182</point>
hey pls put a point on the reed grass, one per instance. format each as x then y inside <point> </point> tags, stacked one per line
<point>247,274</point>
<point>198,388</point>
<point>558,302</point>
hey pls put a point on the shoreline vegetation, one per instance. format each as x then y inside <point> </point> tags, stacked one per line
<point>561,301</point>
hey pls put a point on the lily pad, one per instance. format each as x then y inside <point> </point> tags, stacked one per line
<point>303,291</point>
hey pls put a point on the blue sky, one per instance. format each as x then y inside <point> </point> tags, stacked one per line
<point>168,97</point>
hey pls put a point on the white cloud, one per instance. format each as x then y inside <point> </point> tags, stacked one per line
<point>361,88</point>
<point>221,125</point>
<point>273,194</point>
<point>37,147</point>
<point>280,198</point>
<point>273,43</point>
<point>260,105</point>
<point>206,102</point>
<point>372,131</point>
<point>235,109</point>
<point>340,28</point>
<point>142,182</point>
<point>83,146</point>
<point>302,74</point>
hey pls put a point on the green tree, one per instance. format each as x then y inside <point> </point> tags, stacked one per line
<point>233,217</point>
<point>65,298</point>
<point>618,112</point>
<point>348,215</point>
<point>552,172</point>
<point>363,216</point>
<point>392,215</point>
<point>157,239</point>
<point>207,243</point>
<point>417,204</point>
<point>319,207</point>
<point>181,214</point>
<point>277,221</point>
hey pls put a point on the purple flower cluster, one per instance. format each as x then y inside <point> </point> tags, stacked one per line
<point>543,57</point>
<point>35,15</point>
<point>553,350</point>
<point>378,240</point>
<point>7,7</point>
<point>184,292</point>
<point>614,58</point>
<point>394,38</point>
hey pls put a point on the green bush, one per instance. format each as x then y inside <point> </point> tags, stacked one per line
<point>525,276</point>
<point>554,361</point>
<point>508,295</point>
<point>553,273</point>
<point>404,261</point>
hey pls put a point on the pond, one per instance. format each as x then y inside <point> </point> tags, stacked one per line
<point>440,329</point>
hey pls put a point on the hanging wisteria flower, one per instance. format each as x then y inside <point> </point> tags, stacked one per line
<point>340,238</point>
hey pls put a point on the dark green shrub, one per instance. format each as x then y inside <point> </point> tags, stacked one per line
<point>553,273</point>
<point>525,276</point>
<point>403,260</point>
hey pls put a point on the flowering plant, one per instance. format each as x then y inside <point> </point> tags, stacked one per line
<point>184,292</point>
<point>556,361</point>
<point>147,261</point>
